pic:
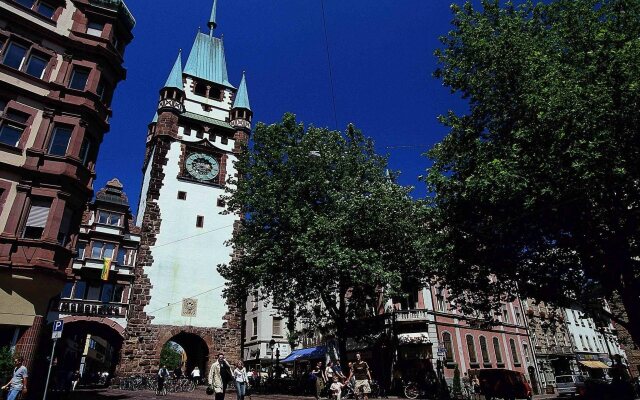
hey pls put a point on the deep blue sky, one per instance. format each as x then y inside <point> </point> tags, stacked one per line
<point>382,59</point>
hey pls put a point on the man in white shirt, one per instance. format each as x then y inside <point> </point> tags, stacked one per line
<point>18,382</point>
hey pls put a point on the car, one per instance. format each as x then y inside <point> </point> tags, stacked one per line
<point>570,385</point>
<point>500,383</point>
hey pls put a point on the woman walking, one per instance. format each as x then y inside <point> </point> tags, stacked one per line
<point>240,378</point>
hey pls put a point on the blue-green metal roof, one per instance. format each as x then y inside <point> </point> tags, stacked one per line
<point>207,61</point>
<point>155,118</point>
<point>175,76</point>
<point>242,97</point>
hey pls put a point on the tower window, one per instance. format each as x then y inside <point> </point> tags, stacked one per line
<point>182,195</point>
<point>224,140</point>
<point>200,89</point>
<point>220,202</point>
<point>199,221</point>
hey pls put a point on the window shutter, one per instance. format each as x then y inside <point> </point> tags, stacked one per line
<point>38,213</point>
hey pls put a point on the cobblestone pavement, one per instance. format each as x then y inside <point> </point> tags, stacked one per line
<point>115,394</point>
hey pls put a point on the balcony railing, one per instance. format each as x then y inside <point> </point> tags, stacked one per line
<point>92,308</point>
<point>554,349</point>
<point>411,315</point>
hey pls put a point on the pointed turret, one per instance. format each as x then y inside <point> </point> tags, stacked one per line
<point>241,115</point>
<point>175,76</point>
<point>212,19</point>
<point>242,97</point>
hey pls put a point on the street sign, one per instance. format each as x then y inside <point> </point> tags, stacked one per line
<point>57,329</point>
<point>442,351</point>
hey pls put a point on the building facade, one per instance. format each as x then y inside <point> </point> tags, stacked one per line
<point>265,338</point>
<point>552,345</point>
<point>201,124</point>
<point>94,305</point>
<point>60,62</point>
<point>594,345</point>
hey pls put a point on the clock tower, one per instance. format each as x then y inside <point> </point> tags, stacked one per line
<point>201,125</point>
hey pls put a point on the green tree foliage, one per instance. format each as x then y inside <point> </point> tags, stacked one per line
<point>170,356</point>
<point>325,227</point>
<point>539,182</point>
<point>6,364</point>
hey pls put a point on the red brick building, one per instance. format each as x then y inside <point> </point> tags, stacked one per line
<point>60,62</point>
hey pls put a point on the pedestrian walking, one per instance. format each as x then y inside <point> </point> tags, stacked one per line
<point>195,375</point>
<point>336,388</point>
<point>362,374</point>
<point>18,382</point>
<point>216,379</point>
<point>75,378</point>
<point>317,375</point>
<point>476,387</point>
<point>240,378</point>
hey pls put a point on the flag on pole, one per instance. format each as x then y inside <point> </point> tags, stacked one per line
<point>105,269</point>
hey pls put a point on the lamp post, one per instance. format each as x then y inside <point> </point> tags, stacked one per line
<point>272,344</point>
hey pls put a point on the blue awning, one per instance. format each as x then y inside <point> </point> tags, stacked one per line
<point>306,354</point>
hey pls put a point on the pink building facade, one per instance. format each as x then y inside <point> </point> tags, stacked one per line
<point>429,327</point>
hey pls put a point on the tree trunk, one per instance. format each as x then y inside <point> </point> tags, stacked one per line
<point>631,303</point>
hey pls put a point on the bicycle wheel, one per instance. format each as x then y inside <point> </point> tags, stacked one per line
<point>411,391</point>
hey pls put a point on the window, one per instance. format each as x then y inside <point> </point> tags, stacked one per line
<point>26,3</point>
<point>182,195</point>
<point>14,56</point>
<point>80,249</point>
<point>254,326</point>
<point>93,291</point>
<point>60,140</point>
<point>37,219</point>
<point>109,218</point>
<point>107,293</point>
<point>220,202</point>
<point>518,318</point>
<point>46,10</point>
<point>103,91</point>
<point>471,347</point>
<point>12,127</point>
<point>277,326</point>
<point>254,300</point>
<point>36,65</point>
<point>446,340</point>
<point>199,221</point>
<point>101,250</point>
<point>79,290</point>
<point>526,351</point>
<point>66,291</point>
<point>200,89</point>
<point>484,350</point>
<point>118,292</point>
<point>584,347</point>
<point>496,349</point>
<point>84,150</point>
<point>505,314</point>
<point>65,225</point>
<point>79,78</point>
<point>215,93</point>
<point>514,352</point>
<point>125,256</point>
<point>95,28</point>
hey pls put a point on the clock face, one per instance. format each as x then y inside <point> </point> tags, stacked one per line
<point>201,166</point>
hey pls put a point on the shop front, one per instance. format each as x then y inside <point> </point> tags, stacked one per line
<point>594,366</point>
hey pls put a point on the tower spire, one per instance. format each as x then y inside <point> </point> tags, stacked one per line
<point>175,76</point>
<point>212,19</point>
<point>242,97</point>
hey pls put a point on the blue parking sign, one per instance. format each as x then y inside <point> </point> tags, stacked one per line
<point>57,329</point>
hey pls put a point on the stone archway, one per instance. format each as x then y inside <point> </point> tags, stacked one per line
<point>195,345</point>
<point>89,344</point>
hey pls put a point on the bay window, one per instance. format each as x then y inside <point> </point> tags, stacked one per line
<point>60,140</point>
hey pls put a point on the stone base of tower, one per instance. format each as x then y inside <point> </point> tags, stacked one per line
<point>141,349</point>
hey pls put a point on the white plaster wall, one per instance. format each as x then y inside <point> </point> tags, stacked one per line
<point>193,102</point>
<point>185,257</point>
<point>142,204</point>
<point>576,329</point>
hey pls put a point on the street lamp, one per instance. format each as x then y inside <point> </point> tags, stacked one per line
<point>272,344</point>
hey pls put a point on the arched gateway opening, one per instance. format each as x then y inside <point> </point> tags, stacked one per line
<point>90,345</point>
<point>196,351</point>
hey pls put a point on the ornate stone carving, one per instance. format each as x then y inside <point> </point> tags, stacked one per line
<point>189,307</point>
